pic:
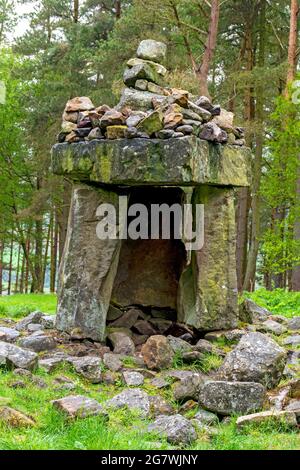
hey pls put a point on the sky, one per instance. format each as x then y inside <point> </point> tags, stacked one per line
<point>23,23</point>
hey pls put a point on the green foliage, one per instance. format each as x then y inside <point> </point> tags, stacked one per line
<point>278,301</point>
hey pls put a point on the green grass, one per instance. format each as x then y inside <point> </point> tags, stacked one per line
<point>125,430</point>
<point>278,301</point>
<point>19,305</point>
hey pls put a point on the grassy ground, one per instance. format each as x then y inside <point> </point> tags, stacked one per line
<point>124,430</point>
<point>19,305</point>
<point>278,301</point>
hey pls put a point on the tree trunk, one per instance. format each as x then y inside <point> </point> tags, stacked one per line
<point>1,266</point>
<point>118,9</point>
<point>49,231</point>
<point>249,281</point>
<point>10,265</point>
<point>18,270</point>
<point>293,40</point>
<point>54,247</point>
<point>210,46</point>
<point>76,11</point>
<point>295,275</point>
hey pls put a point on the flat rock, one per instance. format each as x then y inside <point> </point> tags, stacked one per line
<point>288,417</point>
<point>51,363</point>
<point>294,405</point>
<point>294,323</point>
<point>80,103</point>
<point>160,382</point>
<point>271,326</point>
<point>145,328</point>
<point>90,368</point>
<point>133,379</point>
<point>127,319</point>
<point>179,345</point>
<point>228,398</point>
<point>152,50</point>
<point>188,388</point>
<point>292,340</point>
<point>48,321</point>
<point>133,399</point>
<point>12,356</point>
<point>38,343</point>
<point>176,429</point>
<point>206,417</point>
<point>79,406</point>
<point>256,358</point>
<point>112,362</point>
<point>122,343</point>
<point>33,317</point>
<point>8,334</point>
<point>157,352</point>
<point>250,312</point>
<point>15,418</point>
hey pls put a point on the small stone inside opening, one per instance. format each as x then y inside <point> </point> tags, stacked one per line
<point>149,270</point>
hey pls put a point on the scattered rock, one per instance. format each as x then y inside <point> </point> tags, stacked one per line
<point>159,406</point>
<point>250,312</point>
<point>294,324</point>
<point>8,334</point>
<point>116,132</point>
<point>226,398</point>
<point>12,356</point>
<point>205,346</point>
<point>189,386</point>
<point>23,373</point>
<point>132,398</point>
<point>177,429</point>
<point>79,406</point>
<point>51,363</point>
<point>286,417</point>
<point>179,345</point>
<point>89,368</point>
<point>157,352</point>
<point>133,378</point>
<point>144,328</point>
<point>271,326</point>
<point>206,417</point>
<point>224,120</point>
<point>15,418</point>
<point>152,123</point>
<point>293,340</point>
<point>122,343</point>
<point>38,343</point>
<point>159,383</point>
<point>112,362</point>
<point>295,388</point>
<point>33,327</point>
<point>294,406</point>
<point>127,320</point>
<point>256,358</point>
<point>34,317</point>
<point>161,325</point>
<point>192,356</point>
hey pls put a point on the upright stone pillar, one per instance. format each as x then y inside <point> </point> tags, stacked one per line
<point>88,267</point>
<point>207,297</point>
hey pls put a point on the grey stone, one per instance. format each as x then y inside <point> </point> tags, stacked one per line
<point>133,378</point>
<point>34,317</point>
<point>90,368</point>
<point>142,71</point>
<point>38,343</point>
<point>157,352</point>
<point>112,362</point>
<point>294,323</point>
<point>48,321</point>
<point>213,133</point>
<point>122,343</point>
<point>138,100</point>
<point>8,334</point>
<point>176,428</point>
<point>287,417</point>
<point>250,312</point>
<point>203,302</point>
<point>179,345</point>
<point>206,417</point>
<point>185,129</point>
<point>78,406</point>
<point>51,363</point>
<point>203,113</point>
<point>188,160</point>
<point>159,382</point>
<point>204,346</point>
<point>141,85</point>
<point>133,399</point>
<point>152,50</point>
<point>188,388</point>
<point>135,118</point>
<point>159,406</point>
<point>144,328</point>
<point>32,327</point>
<point>83,304</point>
<point>127,320</point>
<point>228,398</point>
<point>294,406</point>
<point>95,134</point>
<point>270,326</point>
<point>293,340</point>
<point>14,357</point>
<point>256,358</point>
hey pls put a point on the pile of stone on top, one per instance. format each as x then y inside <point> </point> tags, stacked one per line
<point>149,109</point>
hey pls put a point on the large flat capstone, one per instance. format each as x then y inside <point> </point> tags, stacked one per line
<point>184,161</point>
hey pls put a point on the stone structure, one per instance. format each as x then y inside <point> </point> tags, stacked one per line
<point>200,286</point>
